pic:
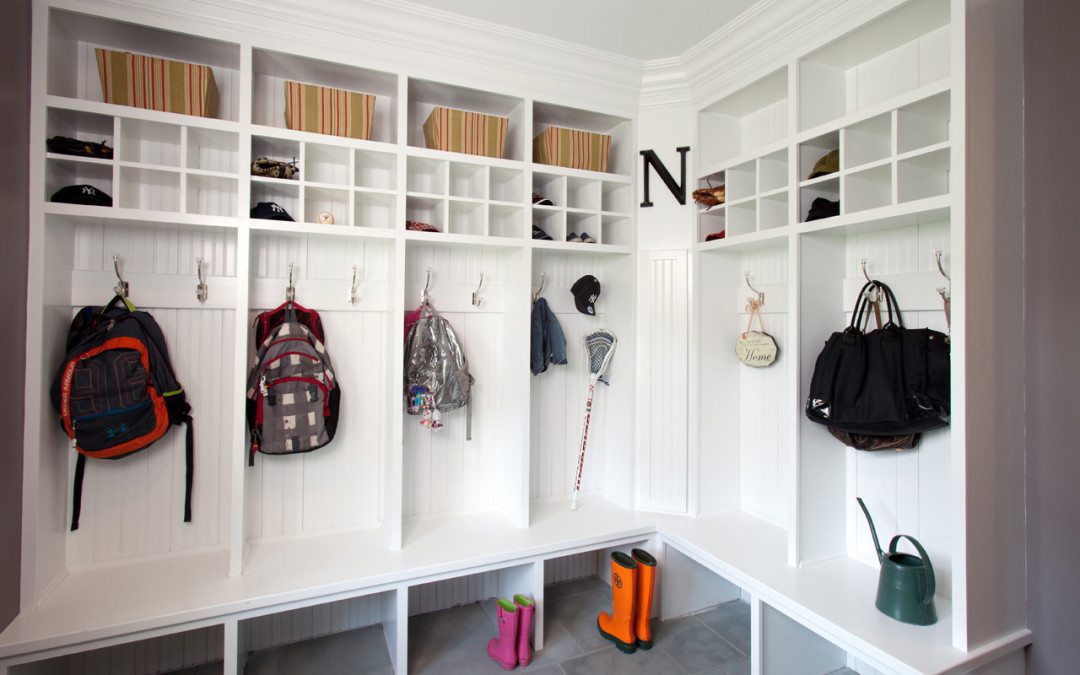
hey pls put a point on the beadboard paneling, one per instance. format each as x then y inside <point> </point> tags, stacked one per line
<point>570,567</point>
<point>437,595</point>
<point>146,657</point>
<point>283,628</point>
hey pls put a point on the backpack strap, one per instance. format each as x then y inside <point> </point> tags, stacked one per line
<point>189,452</point>
<point>76,491</point>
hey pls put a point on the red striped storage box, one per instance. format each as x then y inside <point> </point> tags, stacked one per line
<point>325,110</point>
<point>572,149</point>
<point>157,84</point>
<point>468,132</point>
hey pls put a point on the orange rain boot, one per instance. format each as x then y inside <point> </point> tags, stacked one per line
<point>646,574</point>
<point>618,626</point>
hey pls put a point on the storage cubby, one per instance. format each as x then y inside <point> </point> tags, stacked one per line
<point>143,142</point>
<point>738,125</point>
<point>923,124</point>
<point>868,189</point>
<point>583,194</point>
<point>468,180</point>
<point>446,473</point>
<point>199,650</point>
<point>212,150</point>
<point>741,182</point>
<point>617,230</point>
<point>899,53</point>
<point>211,196</point>
<point>336,490</point>
<point>363,634</point>
<point>467,218</point>
<point>285,194</point>
<point>327,164</point>
<point>428,210</point>
<point>62,171</point>
<point>813,150</point>
<point>868,141</point>
<point>827,187</point>
<point>505,221</point>
<point>81,125</point>
<point>906,491</point>
<point>790,647</point>
<point>425,95</point>
<point>376,170</point>
<point>773,171</point>
<point>132,509</point>
<point>741,218</point>
<point>551,220</point>
<point>583,223</point>
<point>923,176</point>
<point>505,185</point>
<point>281,149</point>
<point>375,209</point>
<point>772,211</point>
<point>72,66</point>
<point>427,176</point>
<point>712,221</point>
<point>746,451</point>
<point>271,69</point>
<point>558,395</point>
<point>616,198</point>
<point>326,200</point>
<point>621,157</point>
<point>551,187</point>
<point>148,189</point>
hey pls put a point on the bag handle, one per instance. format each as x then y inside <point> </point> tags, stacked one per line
<point>890,302</point>
<point>926,561</point>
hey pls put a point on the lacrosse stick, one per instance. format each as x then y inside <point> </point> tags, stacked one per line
<point>599,348</point>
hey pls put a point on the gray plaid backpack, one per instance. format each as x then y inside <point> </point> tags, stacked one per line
<point>293,396</point>
<point>437,378</point>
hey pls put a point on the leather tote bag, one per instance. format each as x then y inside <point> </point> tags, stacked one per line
<point>890,381</point>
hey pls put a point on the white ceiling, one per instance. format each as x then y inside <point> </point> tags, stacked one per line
<point>642,29</point>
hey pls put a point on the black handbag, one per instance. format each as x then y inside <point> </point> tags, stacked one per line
<point>888,382</point>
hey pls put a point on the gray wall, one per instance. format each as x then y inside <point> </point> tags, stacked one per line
<point>1052,298</point>
<point>14,113</point>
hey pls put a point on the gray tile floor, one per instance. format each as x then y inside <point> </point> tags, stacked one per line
<point>454,642</point>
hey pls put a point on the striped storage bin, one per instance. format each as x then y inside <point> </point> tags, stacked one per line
<point>468,132</point>
<point>572,149</point>
<point>325,110</point>
<point>157,84</point>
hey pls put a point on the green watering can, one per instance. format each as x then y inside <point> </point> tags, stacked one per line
<point>906,585</point>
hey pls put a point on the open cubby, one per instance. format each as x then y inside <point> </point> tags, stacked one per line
<point>467,218</point>
<point>868,189</point>
<point>617,230</point>
<point>326,200</point>
<point>212,150</point>
<point>741,123</point>
<point>900,52</point>
<point>81,125</point>
<point>361,634</point>
<point>281,149</point>
<point>923,123</point>
<point>772,211</point>
<point>148,189</point>
<point>62,171</point>
<point>426,176</point>
<point>558,394</point>
<point>143,142</point>
<point>506,185</point>
<point>747,454</point>
<point>426,95</point>
<point>430,210</point>
<point>73,72</point>
<point>211,196</point>
<point>583,194</point>
<point>712,221</point>
<point>468,180</point>
<point>583,223</point>
<point>616,197</point>
<point>867,141</point>
<point>551,187</point>
<point>375,169</point>
<point>813,150</point>
<point>741,182</point>
<point>827,188</point>
<point>923,176</point>
<point>271,69</point>
<point>621,157</point>
<point>505,221</point>
<point>551,220</point>
<point>375,209</point>
<point>741,218</point>
<point>773,171</point>
<point>326,164</point>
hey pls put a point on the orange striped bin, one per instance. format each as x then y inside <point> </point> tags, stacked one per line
<point>325,110</point>
<point>571,148</point>
<point>468,132</point>
<point>157,84</point>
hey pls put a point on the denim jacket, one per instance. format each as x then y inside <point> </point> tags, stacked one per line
<point>548,341</point>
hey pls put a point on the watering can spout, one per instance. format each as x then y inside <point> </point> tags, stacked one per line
<point>906,583</point>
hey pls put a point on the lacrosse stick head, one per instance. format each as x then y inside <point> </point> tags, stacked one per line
<point>600,347</point>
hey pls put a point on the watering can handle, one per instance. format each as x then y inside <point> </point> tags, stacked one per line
<point>925,558</point>
<point>873,530</point>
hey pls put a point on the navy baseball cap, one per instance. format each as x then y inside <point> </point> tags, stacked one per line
<point>270,211</point>
<point>82,194</point>
<point>586,290</point>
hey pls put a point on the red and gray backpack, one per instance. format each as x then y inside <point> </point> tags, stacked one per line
<point>293,395</point>
<point>116,391</point>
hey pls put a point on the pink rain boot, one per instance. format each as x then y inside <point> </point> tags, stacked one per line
<point>503,649</point>
<point>526,608</point>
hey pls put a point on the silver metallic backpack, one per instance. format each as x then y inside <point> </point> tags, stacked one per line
<point>436,370</point>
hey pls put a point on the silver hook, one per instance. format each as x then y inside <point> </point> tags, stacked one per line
<point>873,293</point>
<point>351,297</point>
<point>536,295</point>
<point>760,295</point>
<point>424,297</point>
<point>202,290</point>
<point>122,287</point>
<point>476,294</point>
<point>290,291</point>
<point>937,258</point>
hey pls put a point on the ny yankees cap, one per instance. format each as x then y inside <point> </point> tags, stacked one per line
<point>269,211</point>
<point>586,290</point>
<point>82,194</point>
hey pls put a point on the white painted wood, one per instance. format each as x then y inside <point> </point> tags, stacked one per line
<point>791,648</point>
<point>690,587</point>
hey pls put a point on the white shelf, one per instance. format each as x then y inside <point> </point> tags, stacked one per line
<point>576,247</point>
<point>55,156</point>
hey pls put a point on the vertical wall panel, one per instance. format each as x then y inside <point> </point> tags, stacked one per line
<point>662,455</point>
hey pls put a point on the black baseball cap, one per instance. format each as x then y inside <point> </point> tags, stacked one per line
<point>82,194</point>
<point>270,211</point>
<point>586,290</point>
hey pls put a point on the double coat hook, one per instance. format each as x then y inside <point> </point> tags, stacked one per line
<point>290,290</point>
<point>760,294</point>
<point>943,291</point>
<point>476,300</point>
<point>536,295</point>
<point>424,297</point>
<point>202,290</point>
<point>351,297</point>
<point>122,286</point>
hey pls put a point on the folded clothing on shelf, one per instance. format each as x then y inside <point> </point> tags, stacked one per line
<point>270,211</point>
<point>62,145</point>
<point>823,208</point>
<point>81,194</point>
<point>417,226</point>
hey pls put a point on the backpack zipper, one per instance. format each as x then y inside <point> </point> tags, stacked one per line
<point>75,420</point>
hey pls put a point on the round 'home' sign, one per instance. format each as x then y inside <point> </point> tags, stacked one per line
<point>756,349</point>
